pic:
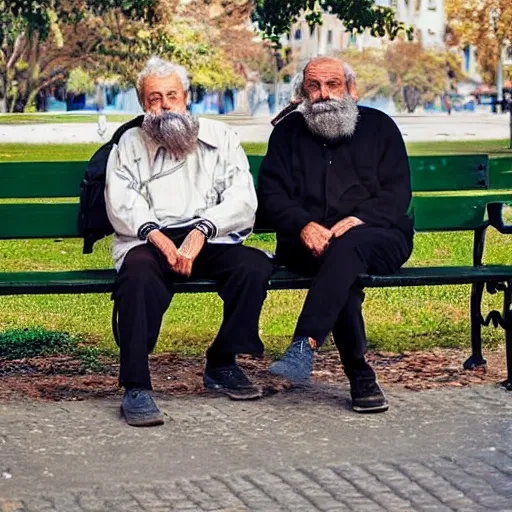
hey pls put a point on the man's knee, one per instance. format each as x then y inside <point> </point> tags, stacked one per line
<point>255,266</point>
<point>140,268</point>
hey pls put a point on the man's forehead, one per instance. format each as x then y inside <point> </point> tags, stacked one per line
<point>168,81</point>
<point>324,69</point>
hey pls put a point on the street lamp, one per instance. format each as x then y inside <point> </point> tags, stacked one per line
<point>495,16</point>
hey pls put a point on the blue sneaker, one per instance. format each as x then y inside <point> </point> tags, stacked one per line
<point>297,362</point>
<point>140,410</point>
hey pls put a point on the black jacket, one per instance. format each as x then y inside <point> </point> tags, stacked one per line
<point>303,178</point>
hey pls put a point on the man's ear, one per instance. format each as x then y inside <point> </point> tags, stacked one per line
<point>352,90</point>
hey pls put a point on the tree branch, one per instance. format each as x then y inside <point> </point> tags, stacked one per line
<point>19,48</point>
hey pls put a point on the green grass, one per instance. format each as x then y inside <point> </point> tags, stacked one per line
<point>77,152</point>
<point>398,319</point>
<point>493,148</point>
<point>92,117</point>
<point>60,118</point>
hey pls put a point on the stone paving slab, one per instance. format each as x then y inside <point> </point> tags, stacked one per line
<point>296,451</point>
<point>481,483</point>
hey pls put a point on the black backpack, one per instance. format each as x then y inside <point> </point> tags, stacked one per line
<point>93,222</point>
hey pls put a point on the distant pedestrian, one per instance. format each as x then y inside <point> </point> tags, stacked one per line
<point>447,101</point>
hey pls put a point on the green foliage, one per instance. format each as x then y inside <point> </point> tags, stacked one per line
<point>208,66</point>
<point>405,67</point>
<point>38,341</point>
<point>80,82</point>
<point>421,73</point>
<point>275,17</point>
<point>21,343</point>
<point>372,76</point>
<point>52,37</point>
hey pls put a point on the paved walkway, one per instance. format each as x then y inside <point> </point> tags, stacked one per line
<point>296,451</point>
<point>432,127</point>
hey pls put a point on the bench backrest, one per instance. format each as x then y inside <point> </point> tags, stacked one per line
<point>40,199</point>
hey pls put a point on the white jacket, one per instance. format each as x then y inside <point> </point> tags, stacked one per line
<point>143,184</point>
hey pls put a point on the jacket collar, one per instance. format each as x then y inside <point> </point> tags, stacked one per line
<point>206,136</point>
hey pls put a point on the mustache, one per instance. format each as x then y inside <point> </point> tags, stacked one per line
<point>176,132</point>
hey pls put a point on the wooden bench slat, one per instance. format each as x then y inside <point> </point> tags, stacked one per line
<point>40,179</point>
<point>452,213</point>
<point>454,172</point>
<point>60,220</point>
<point>500,173</point>
<point>102,281</point>
<point>62,179</point>
<point>36,220</point>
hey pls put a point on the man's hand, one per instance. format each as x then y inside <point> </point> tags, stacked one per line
<point>316,238</point>
<point>165,245</point>
<point>341,227</point>
<point>188,252</point>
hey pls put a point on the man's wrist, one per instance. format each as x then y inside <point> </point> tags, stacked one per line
<point>207,228</point>
<point>146,228</point>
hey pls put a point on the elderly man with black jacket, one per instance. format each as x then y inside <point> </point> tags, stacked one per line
<point>335,182</point>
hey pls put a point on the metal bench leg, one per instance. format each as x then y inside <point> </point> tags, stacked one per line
<point>476,359</point>
<point>507,326</point>
<point>507,384</point>
<point>115,329</point>
<point>477,289</point>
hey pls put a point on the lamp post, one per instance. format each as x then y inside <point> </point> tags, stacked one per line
<point>495,16</point>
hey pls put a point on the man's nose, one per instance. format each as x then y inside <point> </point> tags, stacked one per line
<point>166,104</point>
<point>325,94</point>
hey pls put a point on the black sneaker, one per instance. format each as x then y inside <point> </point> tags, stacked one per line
<point>367,396</point>
<point>230,381</point>
<point>140,410</point>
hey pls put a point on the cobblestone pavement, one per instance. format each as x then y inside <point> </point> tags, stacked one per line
<point>296,451</point>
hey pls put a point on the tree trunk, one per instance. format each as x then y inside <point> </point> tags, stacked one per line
<point>412,98</point>
<point>20,103</point>
<point>3,93</point>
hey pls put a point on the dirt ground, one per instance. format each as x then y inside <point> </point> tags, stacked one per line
<point>64,378</point>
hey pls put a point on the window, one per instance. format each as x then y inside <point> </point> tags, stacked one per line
<point>329,37</point>
<point>467,58</point>
<point>432,5</point>
<point>298,35</point>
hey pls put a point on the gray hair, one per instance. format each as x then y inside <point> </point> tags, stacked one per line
<point>156,66</point>
<point>298,92</point>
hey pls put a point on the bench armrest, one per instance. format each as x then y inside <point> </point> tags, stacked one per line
<point>495,214</point>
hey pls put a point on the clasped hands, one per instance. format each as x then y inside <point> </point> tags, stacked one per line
<point>180,260</point>
<point>317,238</point>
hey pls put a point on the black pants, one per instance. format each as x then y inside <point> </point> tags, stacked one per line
<point>145,288</point>
<point>334,300</point>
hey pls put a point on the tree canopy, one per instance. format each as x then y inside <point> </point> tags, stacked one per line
<point>274,17</point>
<point>484,24</point>
<point>405,71</point>
<point>41,41</point>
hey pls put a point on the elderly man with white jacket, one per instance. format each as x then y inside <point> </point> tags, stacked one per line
<point>181,199</point>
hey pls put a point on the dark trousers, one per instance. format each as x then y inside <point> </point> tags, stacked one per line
<point>334,300</point>
<point>144,291</point>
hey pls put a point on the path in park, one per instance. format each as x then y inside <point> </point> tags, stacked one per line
<point>298,451</point>
<point>414,128</point>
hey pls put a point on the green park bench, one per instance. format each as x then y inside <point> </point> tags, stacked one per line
<point>451,193</point>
